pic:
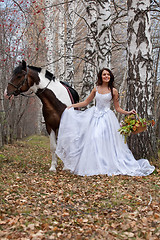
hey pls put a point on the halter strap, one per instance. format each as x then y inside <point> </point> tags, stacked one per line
<point>44,88</point>
<point>21,83</point>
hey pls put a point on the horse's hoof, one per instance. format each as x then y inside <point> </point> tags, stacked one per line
<point>53,169</point>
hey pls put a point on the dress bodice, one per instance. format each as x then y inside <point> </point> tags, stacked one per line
<point>102,103</point>
<point>103,100</point>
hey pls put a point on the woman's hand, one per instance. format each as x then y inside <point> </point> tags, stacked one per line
<point>132,112</point>
<point>69,107</point>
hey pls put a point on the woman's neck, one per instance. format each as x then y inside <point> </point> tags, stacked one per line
<point>105,85</point>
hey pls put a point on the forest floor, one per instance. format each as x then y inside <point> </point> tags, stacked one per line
<point>41,205</point>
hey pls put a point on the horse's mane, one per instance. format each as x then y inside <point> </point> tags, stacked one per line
<point>48,74</point>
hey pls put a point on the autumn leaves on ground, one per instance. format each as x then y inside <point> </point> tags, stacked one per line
<point>39,204</point>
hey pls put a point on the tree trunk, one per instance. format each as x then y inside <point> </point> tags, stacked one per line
<point>89,71</point>
<point>70,42</point>
<point>61,44</point>
<point>49,30</point>
<point>140,76</point>
<point>2,112</point>
<point>122,95</point>
<point>104,34</point>
<point>157,96</point>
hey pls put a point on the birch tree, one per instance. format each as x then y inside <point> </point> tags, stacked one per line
<point>89,71</point>
<point>70,42</point>
<point>155,18</point>
<point>61,43</point>
<point>140,75</point>
<point>104,34</point>
<point>49,24</point>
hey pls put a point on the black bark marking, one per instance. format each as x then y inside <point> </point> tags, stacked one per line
<point>141,37</point>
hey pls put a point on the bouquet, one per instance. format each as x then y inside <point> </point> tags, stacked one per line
<point>132,125</point>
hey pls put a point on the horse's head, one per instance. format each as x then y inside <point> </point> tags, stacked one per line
<point>19,81</point>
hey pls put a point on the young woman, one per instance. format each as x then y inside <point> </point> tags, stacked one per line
<point>89,142</point>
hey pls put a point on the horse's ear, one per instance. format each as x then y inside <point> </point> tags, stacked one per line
<point>24,66</point>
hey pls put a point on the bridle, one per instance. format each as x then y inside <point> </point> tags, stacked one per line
<point>25,80</point>
<point>18,87</point>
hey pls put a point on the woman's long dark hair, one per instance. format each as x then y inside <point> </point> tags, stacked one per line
<point>111,82</point>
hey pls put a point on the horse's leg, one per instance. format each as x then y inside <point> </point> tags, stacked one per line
<point>53,149</point>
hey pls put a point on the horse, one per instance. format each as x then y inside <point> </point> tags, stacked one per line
<point>54,95</point>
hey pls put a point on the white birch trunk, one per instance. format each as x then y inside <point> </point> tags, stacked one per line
<point>157,97</point>
<point>70,43</point>
<point>61,44</point>
<point>140,74</point>
<point>104,34</point>
<point>122,95</point>
<point>89,71</point>
<point>49,30</point>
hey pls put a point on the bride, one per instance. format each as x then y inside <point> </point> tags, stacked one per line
<point>89,142</point>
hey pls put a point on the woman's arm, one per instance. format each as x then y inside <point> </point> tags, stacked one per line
<point>85,102</point>
<point>116,104</point>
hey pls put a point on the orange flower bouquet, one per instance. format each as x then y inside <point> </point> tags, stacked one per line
<point>132,125</point>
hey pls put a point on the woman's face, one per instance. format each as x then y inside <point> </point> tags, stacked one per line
<point>105,76</point>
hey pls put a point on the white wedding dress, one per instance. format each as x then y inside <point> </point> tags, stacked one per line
<point>89,143</point>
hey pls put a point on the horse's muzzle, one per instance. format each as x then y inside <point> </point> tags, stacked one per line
<point>16,93</point>
<point>8,95</point>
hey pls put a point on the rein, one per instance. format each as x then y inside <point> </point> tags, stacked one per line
<point>44,88</point>
<point>27,95</point>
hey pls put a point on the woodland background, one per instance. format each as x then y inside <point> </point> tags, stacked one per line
<point>74,39</point>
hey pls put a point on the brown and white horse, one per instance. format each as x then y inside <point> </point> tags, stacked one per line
<point>54,95</point>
